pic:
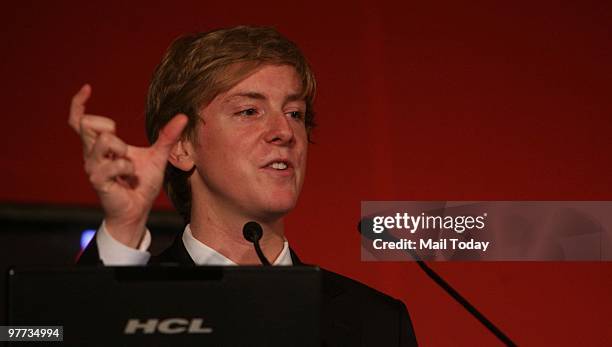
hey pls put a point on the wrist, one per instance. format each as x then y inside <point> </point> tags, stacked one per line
<point>129,232</point>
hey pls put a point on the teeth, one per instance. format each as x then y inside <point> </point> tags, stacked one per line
<point>279,166</point>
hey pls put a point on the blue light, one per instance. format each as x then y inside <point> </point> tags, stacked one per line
<point>86,237</point>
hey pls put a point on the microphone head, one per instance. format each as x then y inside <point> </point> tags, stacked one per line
<point>252,231</point>
<point>365,227</point>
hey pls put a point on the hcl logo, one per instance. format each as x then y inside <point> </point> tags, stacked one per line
<point>166,326</point>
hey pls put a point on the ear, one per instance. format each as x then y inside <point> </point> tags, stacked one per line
<point>181,155</point>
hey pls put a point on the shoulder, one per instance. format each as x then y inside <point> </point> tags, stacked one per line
<point>359,310</point>
<point>336,285</point>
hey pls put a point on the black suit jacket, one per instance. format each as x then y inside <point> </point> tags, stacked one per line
<point>352,314</point>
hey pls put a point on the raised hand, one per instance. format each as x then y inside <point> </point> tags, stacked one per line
<point>126,178</point>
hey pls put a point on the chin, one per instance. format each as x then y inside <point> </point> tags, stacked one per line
<point>280,205</point>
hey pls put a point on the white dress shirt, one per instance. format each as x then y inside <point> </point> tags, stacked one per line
<point>114,253</point>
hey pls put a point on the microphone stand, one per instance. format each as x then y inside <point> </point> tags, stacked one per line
<point>451,291</point>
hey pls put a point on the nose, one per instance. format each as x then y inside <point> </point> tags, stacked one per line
<point>279,129</point>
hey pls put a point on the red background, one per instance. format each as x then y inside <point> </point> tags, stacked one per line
<point>446,100</point>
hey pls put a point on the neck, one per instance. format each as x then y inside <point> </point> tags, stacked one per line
<point>222,231</point>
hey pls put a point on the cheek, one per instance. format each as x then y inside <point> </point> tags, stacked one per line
<point>302,140</point>
<point>209,149</point>
<point>222,152</point>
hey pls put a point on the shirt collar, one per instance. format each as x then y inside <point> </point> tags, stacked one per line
<point>204,255</point>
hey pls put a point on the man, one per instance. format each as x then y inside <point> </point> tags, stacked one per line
<point>229,114</point>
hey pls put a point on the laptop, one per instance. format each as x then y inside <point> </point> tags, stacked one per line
<point>170,305</point>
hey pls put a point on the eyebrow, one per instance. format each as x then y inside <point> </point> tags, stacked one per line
<point>259,96</point>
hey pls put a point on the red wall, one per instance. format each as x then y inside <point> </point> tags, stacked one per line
<point>448,101</point>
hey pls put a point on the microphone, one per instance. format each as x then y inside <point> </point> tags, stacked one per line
<point>252,232</point>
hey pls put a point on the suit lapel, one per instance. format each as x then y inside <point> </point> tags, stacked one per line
<point>176,253</point>
<point>294,258</point>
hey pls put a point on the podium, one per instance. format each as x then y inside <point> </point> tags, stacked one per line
<point>170,305</point>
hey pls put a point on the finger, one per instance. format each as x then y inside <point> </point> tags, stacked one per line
<point>91,126</point>
<point>170,134</point>
<point>77,106</point>
<point>106,173</point>
<point>107,146</point>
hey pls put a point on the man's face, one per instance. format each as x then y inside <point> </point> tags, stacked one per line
<point>250,151</point>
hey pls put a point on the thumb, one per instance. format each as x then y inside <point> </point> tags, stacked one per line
<point>171,133</point>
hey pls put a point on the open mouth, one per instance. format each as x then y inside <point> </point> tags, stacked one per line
<point>279,165</point>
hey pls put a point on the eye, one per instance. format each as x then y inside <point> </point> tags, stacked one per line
<point>296,114</point>
<point>247,112</point>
